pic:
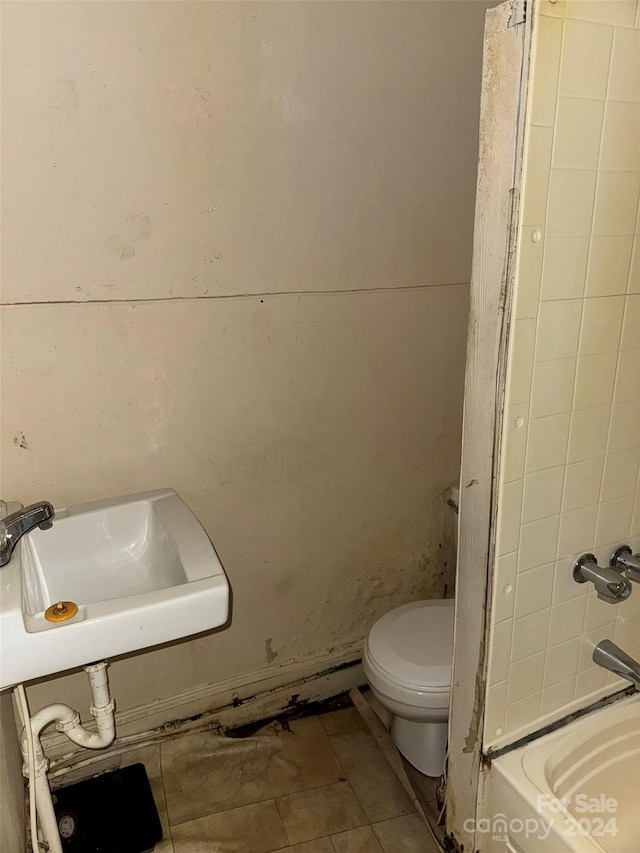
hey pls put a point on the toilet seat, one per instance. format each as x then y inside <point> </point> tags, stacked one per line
<point>409,652</point>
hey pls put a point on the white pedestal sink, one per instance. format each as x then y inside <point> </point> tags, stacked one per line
<point>141,570</point>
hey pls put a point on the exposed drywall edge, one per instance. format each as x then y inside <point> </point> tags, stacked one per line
<point>233,702</point>
<point>258,294</point>
<point>505,70</point>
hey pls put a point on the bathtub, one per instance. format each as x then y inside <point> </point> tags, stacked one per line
<point>576,790</point>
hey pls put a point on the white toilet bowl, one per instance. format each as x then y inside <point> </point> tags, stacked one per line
<point>407,661</point>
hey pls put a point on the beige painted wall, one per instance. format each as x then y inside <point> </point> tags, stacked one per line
<point>194,149</point>
<point>237,247</point>
<point>570,472</point>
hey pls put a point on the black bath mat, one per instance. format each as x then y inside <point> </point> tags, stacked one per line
<point>111,813</point>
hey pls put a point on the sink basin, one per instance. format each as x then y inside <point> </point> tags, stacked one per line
<point>140,569</point>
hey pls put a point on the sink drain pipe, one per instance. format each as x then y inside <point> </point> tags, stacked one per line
<point>35,763</point>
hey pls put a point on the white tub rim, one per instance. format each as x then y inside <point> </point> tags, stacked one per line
<point>526,767</point>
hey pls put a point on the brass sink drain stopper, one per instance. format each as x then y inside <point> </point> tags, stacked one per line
<point>61,611</point>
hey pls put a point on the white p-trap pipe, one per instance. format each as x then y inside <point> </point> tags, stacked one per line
<point>67,721</point>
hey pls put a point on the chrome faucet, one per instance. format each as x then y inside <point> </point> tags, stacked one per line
<point>611,657</point>
<point>610,585</point>
<point>14,526</point>
<point>627,563</point>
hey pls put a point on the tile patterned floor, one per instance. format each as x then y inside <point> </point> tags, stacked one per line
<point>320,784</point>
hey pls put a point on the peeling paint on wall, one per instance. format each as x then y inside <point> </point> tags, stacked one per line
<point>270,655</point>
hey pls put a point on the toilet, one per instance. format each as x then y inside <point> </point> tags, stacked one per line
<point>407,662</point>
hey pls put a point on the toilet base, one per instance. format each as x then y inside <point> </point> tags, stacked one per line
<point>424,745</point>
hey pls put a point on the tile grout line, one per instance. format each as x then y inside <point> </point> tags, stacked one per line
<point>367,821</point>
<point>635,253</point>
<point>261,802</point>
<point>530,417</point>
<point>364,709</point>
<point>346,779</point>
<point>319,787</point>
<point>164,794</point>
<point>164,839</point>
<point>615,374</point>
<point>280,818</point>
<point>546,660</point>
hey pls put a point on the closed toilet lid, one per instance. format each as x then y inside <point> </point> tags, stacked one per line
<point>413,644</point>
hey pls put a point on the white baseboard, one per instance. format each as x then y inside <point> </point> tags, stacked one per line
<point>235,702</point>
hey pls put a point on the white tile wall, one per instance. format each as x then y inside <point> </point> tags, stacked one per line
<point>616,202</point>
<point>624,83</point>
<point>609,262</point>
<point>570,473</point>
<point>620,474</point>
<point>565,267</point>
<point>601,324</point>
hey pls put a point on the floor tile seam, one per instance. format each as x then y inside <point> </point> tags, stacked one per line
<point>343,778</point>
<point>209,814</point>
<point>369,825</point>
<point>394,817</point>
<point>387,772</point>
<point>341,781</point>
<point>394,777</point>
<point>319,838</point>
<point>373,821</point>
<point>431,830</point>
<point>346,782</point>
<point>367,729</point>
<point>412,793</point>
<point>280,818</point>
<point>180,823</point>
<point>389,820</point>
<point>261,802</point>
<point>415,800</point>
<point>164,794</point>
<point>274,800</point>
<point>349,731</point>
<point>378,839</point>
<point>377,749</point>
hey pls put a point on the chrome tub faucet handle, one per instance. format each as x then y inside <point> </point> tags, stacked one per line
<point>626,563</point>
<point>610,585</point>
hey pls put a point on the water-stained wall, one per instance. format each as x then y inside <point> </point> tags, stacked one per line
<point>236,263</point>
